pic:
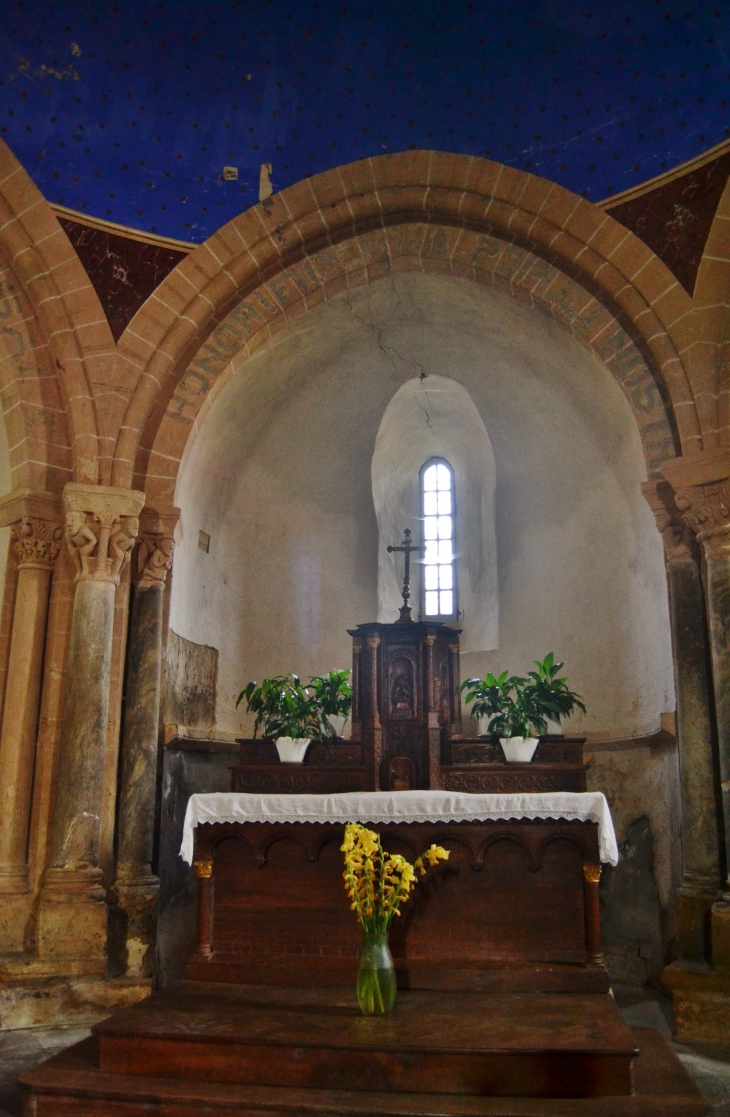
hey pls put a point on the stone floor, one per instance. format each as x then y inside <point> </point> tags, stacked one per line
<point>641,1007</point>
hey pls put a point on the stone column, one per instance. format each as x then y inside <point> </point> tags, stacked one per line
<point>136,886</point>
<point>101,528</point>
<point>38,536</point>
<point>701,824</point>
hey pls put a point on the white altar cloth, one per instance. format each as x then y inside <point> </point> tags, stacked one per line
<point>399,806</point>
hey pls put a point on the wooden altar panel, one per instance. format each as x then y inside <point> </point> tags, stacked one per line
<point>510,896</point>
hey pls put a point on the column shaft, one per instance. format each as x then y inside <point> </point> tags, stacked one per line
<point>701,837</point>
<point>136,886</point>
<point>76,832</point>
<point>20,721</point>
<point>38,538</point>
<point>72,916</point>
<point>718,603</point>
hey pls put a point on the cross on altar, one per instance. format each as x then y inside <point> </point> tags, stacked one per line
<point>406,547</point>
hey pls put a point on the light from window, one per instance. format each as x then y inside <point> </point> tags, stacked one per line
<point>438,537</point>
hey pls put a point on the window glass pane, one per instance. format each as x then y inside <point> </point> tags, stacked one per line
<point>437,490</point>
<point>430,478</point>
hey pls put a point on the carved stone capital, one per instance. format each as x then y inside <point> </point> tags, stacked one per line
<point>701,483</point>
<point>36,522</point>
<point>154,559</point>
<point>706,508</point>
<point>678,536</point>
<point>37,543</point>
<point>102,524</point>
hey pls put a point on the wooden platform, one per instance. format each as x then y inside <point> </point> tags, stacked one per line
<point>545,1045</point>
<point>75,1085</point>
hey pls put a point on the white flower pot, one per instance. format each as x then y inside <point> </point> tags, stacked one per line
<point>291,750</point>
<point>554,727</point>
<point>338,722</point>
<point>519,750</point>
<point>483,724</point>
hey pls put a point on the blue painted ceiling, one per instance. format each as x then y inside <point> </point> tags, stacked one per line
<point>130,111</point>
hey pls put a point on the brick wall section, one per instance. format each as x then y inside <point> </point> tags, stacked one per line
<point>457,194</point>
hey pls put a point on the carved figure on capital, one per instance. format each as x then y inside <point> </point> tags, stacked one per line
<point>680,544</point>
<point>121,542</point>
<point>82,542</point>
<point>37,542</point>
<point>154,559</point>
<point>706,508</point>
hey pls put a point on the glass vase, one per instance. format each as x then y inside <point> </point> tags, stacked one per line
<point>376,976</point>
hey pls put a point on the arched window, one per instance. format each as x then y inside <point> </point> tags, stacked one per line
<point>438,509</point>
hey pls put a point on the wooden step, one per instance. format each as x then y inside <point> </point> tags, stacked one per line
<point>496,1044</point>
<point>535,977</point>
<point>72,1085</point>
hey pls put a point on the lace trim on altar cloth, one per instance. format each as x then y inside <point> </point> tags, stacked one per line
<point>383,807</point>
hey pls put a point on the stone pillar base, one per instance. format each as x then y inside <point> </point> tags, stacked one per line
<point>15,913</point>
<point>721,936</point>
<point>72,916</point>
<point>36,1002</point>
<point>701,1002</point>
<point>136,908</point>
<point>694,908</point>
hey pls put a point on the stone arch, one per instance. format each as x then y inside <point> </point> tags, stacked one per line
<point>337,211</point>
<point>709,341</point>
<point>65,335</point>
<point>483,258</point>
<point>33,407</point>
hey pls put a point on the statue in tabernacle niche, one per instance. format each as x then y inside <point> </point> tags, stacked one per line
<point>121,542</point>
<point>81,542</point>
<point>154,561</point>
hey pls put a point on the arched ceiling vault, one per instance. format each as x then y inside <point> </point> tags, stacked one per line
<point>77,405</point>
<point>356,218</point>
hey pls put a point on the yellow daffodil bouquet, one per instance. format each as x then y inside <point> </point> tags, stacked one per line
<point>377,883</point>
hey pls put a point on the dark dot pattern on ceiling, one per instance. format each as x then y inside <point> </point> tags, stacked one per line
<point>674,219</point>
<point>130,111</point>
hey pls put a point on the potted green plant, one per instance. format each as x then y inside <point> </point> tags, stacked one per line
<point>512,714</point>
<point>516,708</point>
<point>550,692</point>
<point>284,710</point>
<point>332,698</point>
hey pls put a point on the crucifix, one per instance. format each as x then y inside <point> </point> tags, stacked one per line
<point>406,547</point>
